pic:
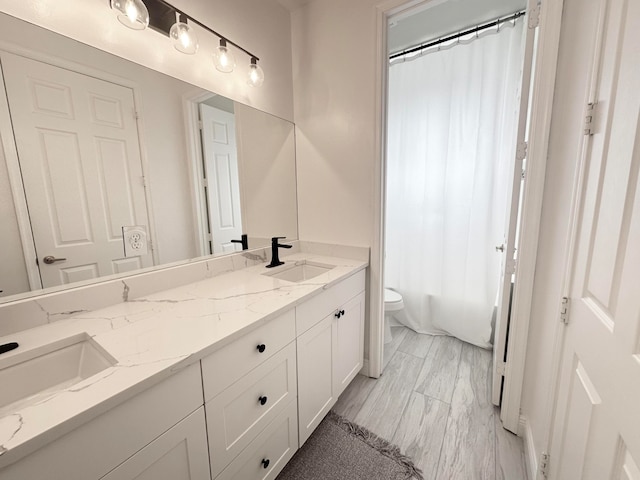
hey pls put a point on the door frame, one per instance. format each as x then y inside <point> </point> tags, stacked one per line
<point>190,102</point>
<point>18,194</point>
<point>540,124</point>
<point>13,163</point>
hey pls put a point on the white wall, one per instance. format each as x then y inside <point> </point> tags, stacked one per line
<point>334,94</point>
<point>266,186</point>
<point>262,27</point>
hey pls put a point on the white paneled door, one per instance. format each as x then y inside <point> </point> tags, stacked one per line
<point>223,183</point>
<point>596,429</point>
<point>79,153</point>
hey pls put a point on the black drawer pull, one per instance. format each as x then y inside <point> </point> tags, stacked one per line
<point>262,400</point>
<point>261,348</point>
<point>265,463</point>
<point>339,313</point>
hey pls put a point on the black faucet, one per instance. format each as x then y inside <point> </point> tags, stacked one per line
<point>244,241</point>
<point>275,261</point>
<point>7,347</point>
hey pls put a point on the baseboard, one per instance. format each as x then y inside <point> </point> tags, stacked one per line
<point>530,455</point>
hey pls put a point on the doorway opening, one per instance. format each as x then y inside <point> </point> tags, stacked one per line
<point>459,78</point>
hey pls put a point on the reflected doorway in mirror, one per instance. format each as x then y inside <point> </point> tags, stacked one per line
<point>79,155</point>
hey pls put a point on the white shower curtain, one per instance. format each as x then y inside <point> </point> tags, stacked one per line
<point>451,132</point>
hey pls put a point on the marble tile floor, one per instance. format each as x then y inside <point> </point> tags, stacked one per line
<point>433,400</point>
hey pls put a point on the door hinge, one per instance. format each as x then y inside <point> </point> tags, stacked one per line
<point>143,179</point>
<point>590,119</point>
<point>564,310</point>
<point>200,126</point>
<point>543,466</point>
<point>205,182</point>
<point>510,267</point>
<point>524,173</point>
<point>501,369</point>
<point>521,151</point>
<point>534,16</point>
<point>136,115</point>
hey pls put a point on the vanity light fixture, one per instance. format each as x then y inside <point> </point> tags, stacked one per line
<point>131,13</point>
<point>163,17</point>
<point>223,59</point>
<point>184,36</point>
<point>256,74</point>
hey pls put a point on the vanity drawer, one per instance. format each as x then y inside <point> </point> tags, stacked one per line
<point>276,445</point>
<point>238,414</point>
<point>315,309</point>
<point>227,365</point>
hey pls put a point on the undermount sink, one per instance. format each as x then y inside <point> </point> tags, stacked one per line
<point>299,272</point>
<point>35,374</point>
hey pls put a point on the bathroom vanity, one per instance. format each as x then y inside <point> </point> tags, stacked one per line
<point>223,378</point>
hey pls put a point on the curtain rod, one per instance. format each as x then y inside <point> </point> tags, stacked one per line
<point>475,29</point>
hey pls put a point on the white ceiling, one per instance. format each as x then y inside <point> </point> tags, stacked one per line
<point>438,18</point>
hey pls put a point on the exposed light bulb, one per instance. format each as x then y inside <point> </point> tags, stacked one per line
<point>131,13</point>
<point>223,58</point>
<point>256,74</point>
<point>184,38</point>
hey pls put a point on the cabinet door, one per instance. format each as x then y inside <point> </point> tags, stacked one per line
<point>315,376</point>
<point>178,454</point>
<point>349,343</point>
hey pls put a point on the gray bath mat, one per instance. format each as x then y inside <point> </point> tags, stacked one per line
<point>341,450</point>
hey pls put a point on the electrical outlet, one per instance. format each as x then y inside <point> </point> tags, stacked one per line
<point>135,242</point>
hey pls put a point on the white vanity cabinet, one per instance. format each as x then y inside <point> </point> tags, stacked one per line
<point>250,387</point>
<point>95,448</point>
<point>238,414</point>
<point>330,350</point>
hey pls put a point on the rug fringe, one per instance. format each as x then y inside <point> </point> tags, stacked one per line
<point>383,446</point>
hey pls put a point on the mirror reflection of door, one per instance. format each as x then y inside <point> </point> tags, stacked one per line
<point>222,186</point>
<point>79,153</point>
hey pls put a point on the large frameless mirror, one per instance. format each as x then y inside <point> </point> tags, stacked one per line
<point>107,167</point>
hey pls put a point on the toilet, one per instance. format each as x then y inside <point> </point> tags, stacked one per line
<point>393,305</point>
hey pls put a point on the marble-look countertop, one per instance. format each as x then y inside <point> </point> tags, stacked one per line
<point>151,338</point>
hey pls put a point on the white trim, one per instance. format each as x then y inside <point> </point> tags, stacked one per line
<point>144,160</point>
<point>530,454</point>
<point>540,127</point>
<point>190,103</point>
<point>365,368</point>
<point>10,150</point>
<point>375,277</point>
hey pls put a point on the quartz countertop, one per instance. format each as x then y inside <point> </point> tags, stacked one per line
<point>151,338</point>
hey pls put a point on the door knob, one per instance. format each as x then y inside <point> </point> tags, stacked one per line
<point>49,259</point>
<point>500,248</point>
